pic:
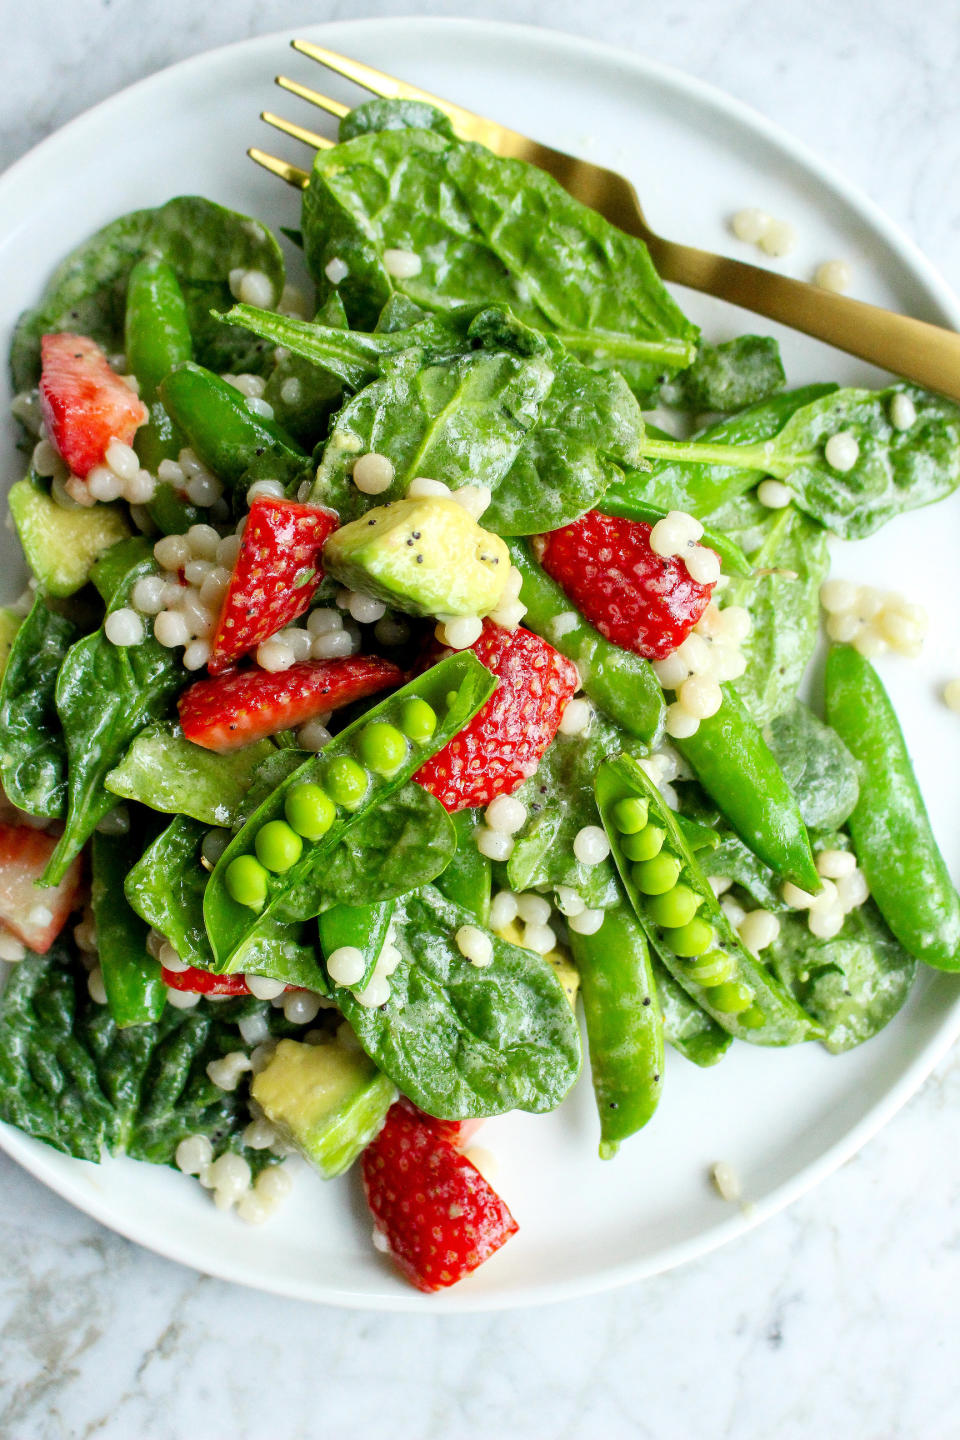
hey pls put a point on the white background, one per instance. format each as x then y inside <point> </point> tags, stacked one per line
<point>837,1318</point>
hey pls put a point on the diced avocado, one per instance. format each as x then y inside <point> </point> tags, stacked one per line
<point>9,625</point>
<point>427,557</point>
<point>566,972</point>
<point>328,1100</point>
<point>62,545</point>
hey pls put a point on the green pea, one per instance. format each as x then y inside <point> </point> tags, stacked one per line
<point>630,816</point>
<point>246,881</point>
<point>418,720</point>
<point>278,846</point>
<point>654,877</point>
<point>711,969</point>
<point>309,810</point>
<point>675,908</point>
<point>732,997</point>
<point>347,781</point>
<point>382,748</point>
<point>645,844</point>
<point>752,1019</point>
<point>692,939</point>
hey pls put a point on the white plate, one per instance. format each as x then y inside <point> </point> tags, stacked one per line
<point>783,1119</point>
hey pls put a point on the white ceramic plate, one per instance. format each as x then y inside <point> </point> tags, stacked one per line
<point>783,1119</point>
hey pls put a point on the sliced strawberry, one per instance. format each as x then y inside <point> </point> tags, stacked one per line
<point>34,913</point>
<point>85,404</point>
<point>502,745</point>
<point>201,982</point>
<point>275,577</point>
<point>639,600</point>
<point>233,710</point>
<point>458,1133</point>
<point>438,1215</point>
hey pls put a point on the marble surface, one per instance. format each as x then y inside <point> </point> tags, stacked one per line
<point>835,1318</point>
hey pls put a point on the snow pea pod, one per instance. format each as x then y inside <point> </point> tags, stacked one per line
<point>621,683</point>
<point>226,435</point>
<point>891,830</point>
<point>135,990</point>
<point>736,767</point>
<point>624,1025</point>
<point>682,919</point>
<point>467,879</point>
<point>634,508</point>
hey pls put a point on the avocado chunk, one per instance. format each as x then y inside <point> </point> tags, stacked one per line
<point>427,557</point>
<point>9,625</point>
<point>328,1100</point>
<point>61,545</point>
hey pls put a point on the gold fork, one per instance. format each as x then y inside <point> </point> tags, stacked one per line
<point>927,354</point>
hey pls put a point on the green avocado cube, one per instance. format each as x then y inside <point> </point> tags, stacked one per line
<point>61,545</point>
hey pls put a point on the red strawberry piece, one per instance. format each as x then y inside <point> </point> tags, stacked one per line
<point>36,914</point>
<point>439,1217</point>
<point>275,577</point>
<point>502,745</point>
<point>641,601</point>
<point>203,983</point>
<point>457,1132</point>
<point>230,711</point>
<point>85,404</point>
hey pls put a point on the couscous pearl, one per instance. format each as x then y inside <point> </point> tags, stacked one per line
<point>461,632</point>
<point>196,654</point>
<point>172,473</point>
<point>373,473</point>
<point>257,406</point>
<point>778,239</point>
<point>671,671</point>
<point>796,898</point>
<point>570,901</point>
<point>824,924</point>
<point>852,890</point>
<point>322,622</point>
<point>365,609</point>
<point>774,494</point>
<point>674,533</point>
<point>252,1210</point>
<point>402,264</point>
<point>719,884</point>
<point>702,565</point>
<point>475,499</point>
<point>290,393</point>
<point>679,723</point>
<point>346,965</point>
<point>695,653</point>
<point>577,717</point>
<point>214,588</point>
<point>103,484</point>
<point>204,490</point>
<point>274,1184</point>
<point>141,489</point>
<point>503,909</point>
<point>710,623</point>
<point>842,451</point>
<point>274,656</point>
<point>836,863</point>
<point>533,909</point>
<point>539,938</point>
<point>313,736</point>
<point>727,1182</point>
<point>758,929</point>
<point>204,542</point>
<point>729,663</point>
<point>172,552</point>
<point>750,225</point>
<point>505,813</point>
<point>193,1153</point>
<point>226,1073</point>
<point>951,695</point>
<point>700,697</point>
<point>836,596</point>
<point>228,551</point>
<point>513,585</point>
<point>375,993</point>
<point>422,488</point>
<point>256,289</point>
<point>196,571</point>
<point>122,459</point>
<point>61,496</point>
<point>833,275</point>
<point>96,988</point>
<point>301,1006</point>
<point>76,490</point>
<point>563,623</point>
<point>199,620</point>
<point>335,270</point>
<point>509,614</point>
<point>869,644</point>
<point>170,960</point>
<point>230,1173</point>
<point>332,645</point>
<point>735,623</point>
<point>843,627</point>
<point>900,633</point>
<point>259,1134</point>
<point>300,641</point>
<point>588,922</point>
<point>474,945</point>
<point>124,627</point>
<point>903,412</point>
<point>262,987</point>
<point>389,960</point>
<point>826,897</point>
<point>494,844</point>
<point>183,999</point>
<point>45,460</point>
<point>265,490</point>
<point>590,845</point>
<point>13,950</point>
<point>734,912</point>
<point>254,1029</point>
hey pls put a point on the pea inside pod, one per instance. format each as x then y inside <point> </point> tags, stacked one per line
<point>684,923</point>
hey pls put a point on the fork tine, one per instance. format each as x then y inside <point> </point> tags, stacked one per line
<point>297,132</point>
<point>360,74</point>
<point>332,107</point>
<point>291,173</point>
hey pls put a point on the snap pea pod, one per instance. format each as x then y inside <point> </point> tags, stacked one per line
<point>624,1025</point>
<point>686,1027</point>
<point>736,767</point>
<point>682,919</point>
<point>732,557</point>
<point>135,991</point>
<point>467,879</point>
<point>620,683</point>
<point>363,926</point>
<point>891,830</point>
<point>156,338</point>
<point>322,799</point>
<point>226,435</point>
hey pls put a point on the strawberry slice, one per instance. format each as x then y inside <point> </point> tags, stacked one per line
<point>439,1217</point>
<point>36,914</point>
<point>639,600</point>
<point>457,1133</point>
<point>275,577</point>
<point>201,982</point>
<point>85,404</point>
<point>233,710</point>
<point>502,745</point>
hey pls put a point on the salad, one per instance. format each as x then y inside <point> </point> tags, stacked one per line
<point>390,694</point>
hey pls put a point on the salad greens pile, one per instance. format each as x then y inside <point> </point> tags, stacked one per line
<point>476,325</point>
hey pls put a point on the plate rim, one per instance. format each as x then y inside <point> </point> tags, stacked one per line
<point>70,1184</point>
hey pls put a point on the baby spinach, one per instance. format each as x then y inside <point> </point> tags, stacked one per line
<point>105,694</point>
<point>33,757</point>
<point>740,372</point>
<point>489,230</point>
<point>131,977</point>
<point>301,393</point>
<point>817,766</point>
<point>202,241</point>
<point>461,1040</point>
<point>401,843</point>
<point>393,115</point>
<point>166,771</point>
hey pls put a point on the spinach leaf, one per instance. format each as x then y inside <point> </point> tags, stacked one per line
<point>817,766</point>
<point>686,1027</point>
<point>740,372</point>
<point>854,984</point>
<point>33,757</point>
<point>494,231</point>
<point>397,846</point>
<point>736,861</point>
<point>783,599</point>
<point>462,1041</point>
<point>166,771</point>
<point>69,1076</point>
<point>303,394</point>
<point>393,115</point>
<point>105,694</point>
<point>202,241</point>
<point>131,977</point>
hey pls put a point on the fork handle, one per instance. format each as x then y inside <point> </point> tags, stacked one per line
<point>924,353</point>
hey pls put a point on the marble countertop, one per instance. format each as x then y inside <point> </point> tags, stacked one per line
<point>834,1318</point>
